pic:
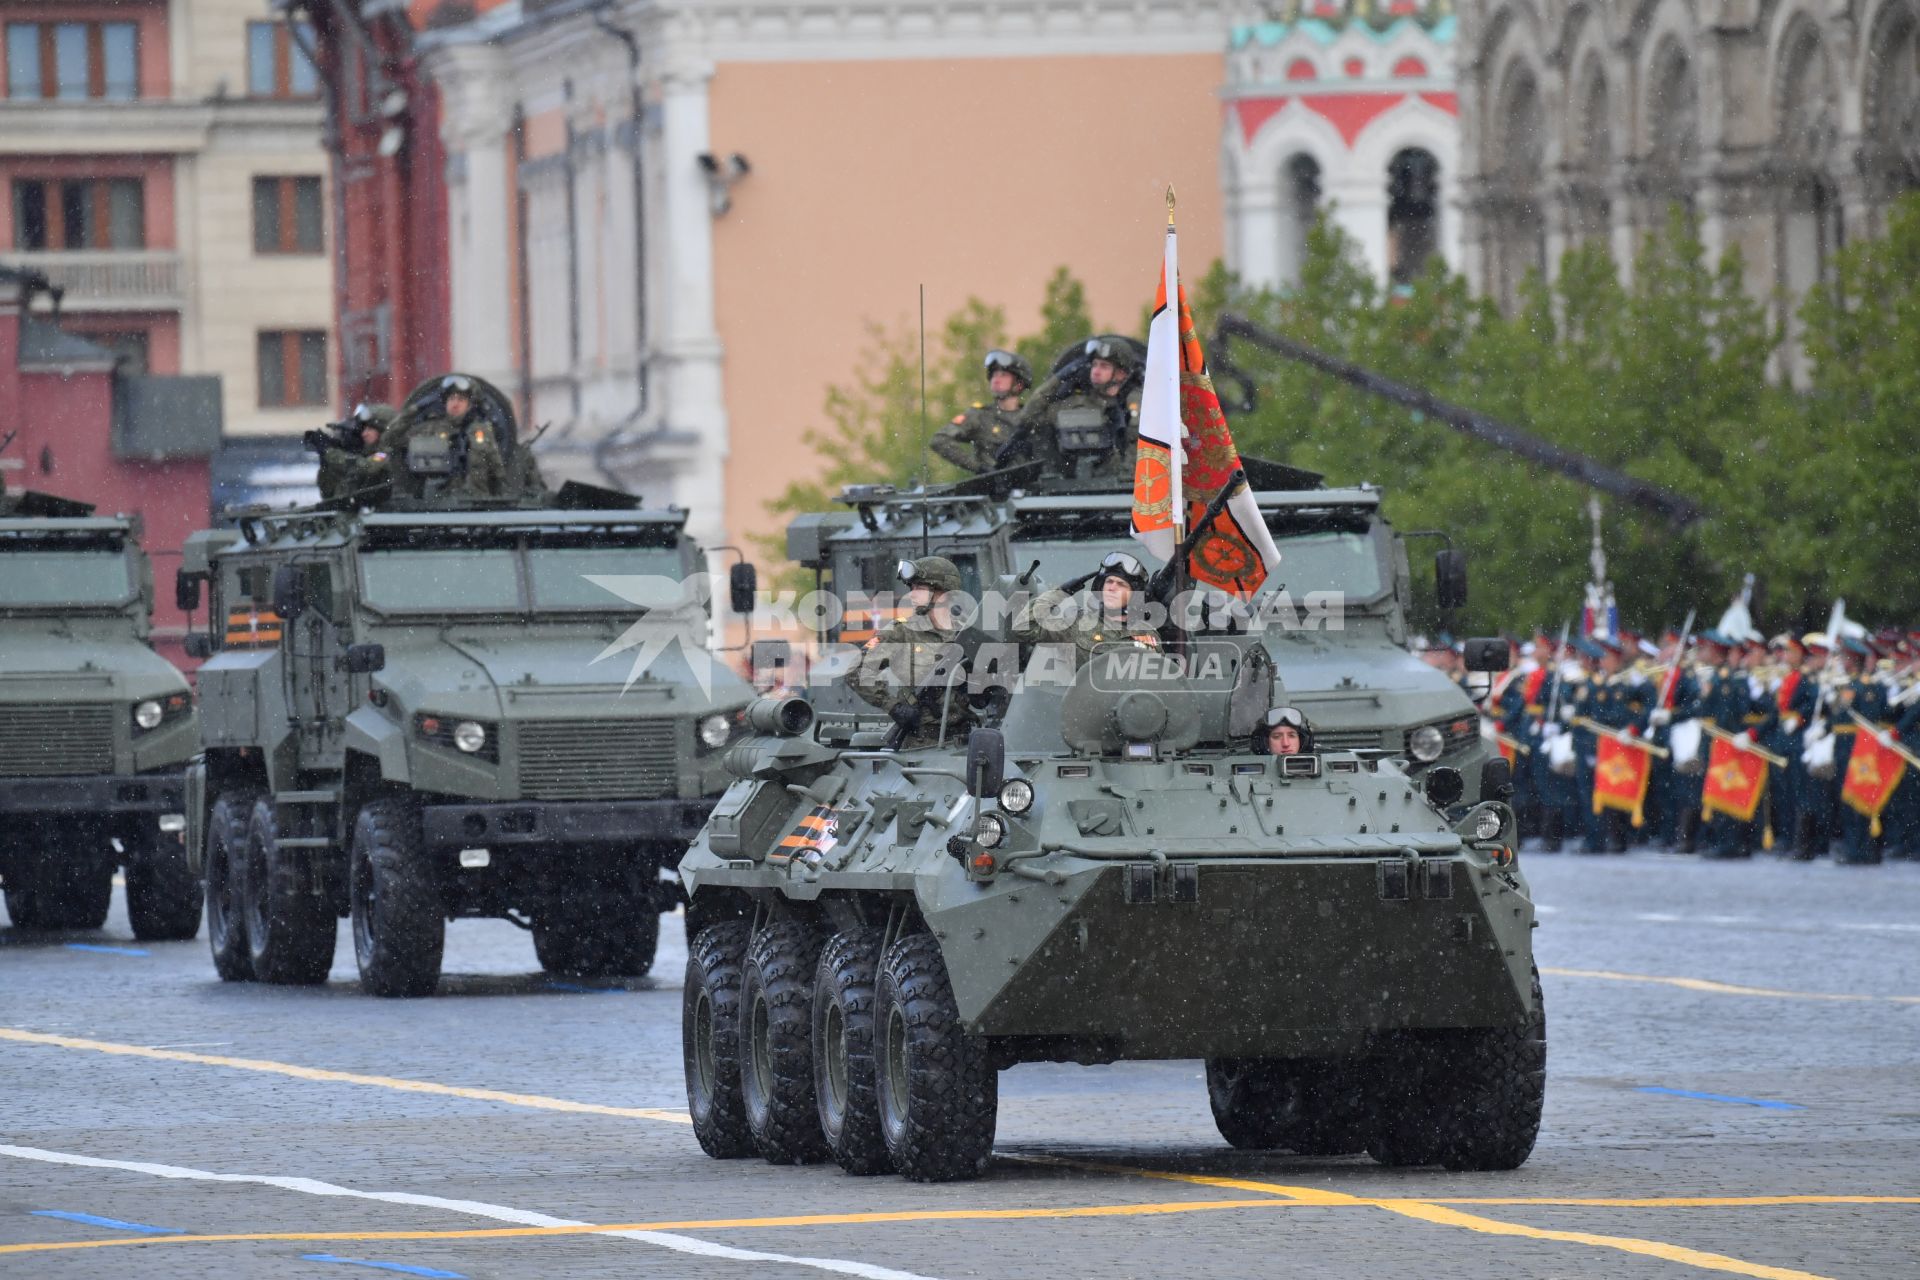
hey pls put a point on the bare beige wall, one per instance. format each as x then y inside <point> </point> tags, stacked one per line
<point>970,176</point>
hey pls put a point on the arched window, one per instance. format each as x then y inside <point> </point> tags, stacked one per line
<point>1673,125</point>
<point>1893,97</point>
<point>1516,201</point>
<point>1413,213</point>
<point>1300,203</point>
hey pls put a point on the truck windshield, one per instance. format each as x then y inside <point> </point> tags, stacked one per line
<point>43,578</point>
<point>498,580</point>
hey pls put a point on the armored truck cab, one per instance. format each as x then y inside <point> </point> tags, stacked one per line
<point>417,716</point>
<point>95,728</point>
<point>1114,872</point>
<point>1338,634</point>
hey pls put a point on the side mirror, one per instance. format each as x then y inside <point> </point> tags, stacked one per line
<point>186,591</point>
<point>743,584</point>
<point>1445,787</point>
<point>198,645</point>
<point>986,762</point>
<point>1488,653</point>
<point>290,591</point>
<point>1496,779</point>
<point>1450,578</point>
<point>364,659</point>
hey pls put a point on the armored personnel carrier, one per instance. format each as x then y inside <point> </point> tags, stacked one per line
<point>1111,870</point>
<point>95,727</point>
<point>1340,638</point>
<point>408,720</point>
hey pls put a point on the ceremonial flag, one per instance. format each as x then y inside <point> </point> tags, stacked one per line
<point>1621,772</point>
<point>1735,781</point>
<point>1186,454</point>
<point>1873,772</point>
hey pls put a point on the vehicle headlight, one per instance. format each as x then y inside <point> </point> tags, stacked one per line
<point>1487,824</point>
<point>148,714</point>
<point>1017,795</point>
<point>1426,743</point>
<point>714,731</point>
<point>469,736</point>
<point>989,832</point>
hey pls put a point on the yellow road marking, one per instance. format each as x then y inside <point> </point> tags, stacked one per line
<point>1727,988</point>
<point>1672,1202</point>
<point>1427,1211</point>
<point>706,1224</point>
<point>531,1100</point>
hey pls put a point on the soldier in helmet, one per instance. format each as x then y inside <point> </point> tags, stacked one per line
<point>974,438</point>
<point>356,467</point>
<point>1084,421</point>
<point>451,451</point>
<point>912,669</point>
<point>1106,607</point>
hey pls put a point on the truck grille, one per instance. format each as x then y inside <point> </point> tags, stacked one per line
<point>44,739</point>
<point>598,759</point>
<point>1346,739</point>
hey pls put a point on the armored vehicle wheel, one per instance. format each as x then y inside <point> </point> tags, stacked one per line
<point>1313,1107</point>
<point>72,895</point>
<point>710,1039</point>
<point>226,889</point>
<point>399,928</point>
<point>776,1044</point>
<point>843,1067</point>
<point>597,932</point>
<point>290,930</point>
<point>163,897</point>
<point>939,1095</point>
<point>21,908</point>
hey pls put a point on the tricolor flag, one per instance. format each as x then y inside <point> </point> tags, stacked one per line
<point>1186,454</point>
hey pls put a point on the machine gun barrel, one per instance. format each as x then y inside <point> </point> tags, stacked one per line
<point>1672,507</point>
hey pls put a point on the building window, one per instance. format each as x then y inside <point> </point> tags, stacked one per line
<point>86,213</point>
<point>286,215</point>
<point>131,346</point>
<point>1413,213</point>
<point>293,368</point>
<point>73,61</point>
<point>277,65</point>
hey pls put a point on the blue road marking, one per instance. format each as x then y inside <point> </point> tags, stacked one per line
<point>95,1221</point>
<point>592,991</point>
<point>107,951</point>
<point>1768,1103</point>
<point>401,1267</point>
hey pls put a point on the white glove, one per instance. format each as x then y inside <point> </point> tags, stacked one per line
<point>1790,722</point>
<point>1885,739</point>
<point>1565,713</point>
<point>1660,718</point>
<point>1548,732</point>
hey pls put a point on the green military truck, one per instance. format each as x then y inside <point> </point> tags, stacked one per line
<point>1339,639</point>
<point>408,719</point>
<point>95,727</point>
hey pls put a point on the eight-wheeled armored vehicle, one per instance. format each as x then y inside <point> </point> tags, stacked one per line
<point>449,708</point>
<point>95,727</point>
<point>1110,870</point>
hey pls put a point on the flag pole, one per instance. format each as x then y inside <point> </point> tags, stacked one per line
<point>1172,272</point>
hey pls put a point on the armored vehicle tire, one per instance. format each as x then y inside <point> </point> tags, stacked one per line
<point>71,895</point>
<point>1308,1106</point>
<point>21,908</point>
<point>597,931</point>
<point>776,1044</point>
<point>163,896</point>
<point>939,1094</point>
<point>290,929</point>
<point>399,927</point>
<point>710,1039</point>
<point>843,1065</point>
<point>226,888</point>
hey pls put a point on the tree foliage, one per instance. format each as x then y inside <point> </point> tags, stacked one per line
<point>1670,374</point>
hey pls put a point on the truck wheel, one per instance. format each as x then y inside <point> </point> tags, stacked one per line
<point>290,931</point>
<point>939,1095</point>
<point>843,1069</point>
<point>601,932</point>
<point>1308,1106</point>
<point>710,1039</point>
<point>226,888</point>
<point>73,895</point>
<point>1489,1113</point>
<point>399,928</point>
<point>776,1044</point>
<point>22,910</point>
<point>1240,1091</point>
<point>163,895</point>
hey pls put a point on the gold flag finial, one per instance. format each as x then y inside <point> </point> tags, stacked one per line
<point>1169,204</point>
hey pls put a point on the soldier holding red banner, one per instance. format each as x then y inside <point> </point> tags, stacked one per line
<point>1614,774</point>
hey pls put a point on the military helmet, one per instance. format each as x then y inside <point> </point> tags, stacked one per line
<point>1123,565</point>
<point>1291,717</point>
<point>1012,362</point>
<point>937,572</point>
<point>1115,349</point>
<point>377,416</point>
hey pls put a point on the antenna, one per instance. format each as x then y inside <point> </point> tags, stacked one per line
<point>926,512</point>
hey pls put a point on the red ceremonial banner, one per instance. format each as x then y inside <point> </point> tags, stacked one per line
<point>1735,781</point>
<point>1621,772</point>
<point>1873,774</point>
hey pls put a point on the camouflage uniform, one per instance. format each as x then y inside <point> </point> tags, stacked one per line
<point>973,440</point>
<point>1055,617</point>
<point>363,476</point>
<point>1078,430</point>
<point>443,441</point>
<point>911,663</point>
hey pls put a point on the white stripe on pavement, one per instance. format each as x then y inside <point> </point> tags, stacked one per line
<point>474,1208</point>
